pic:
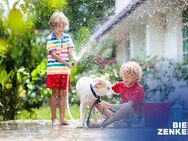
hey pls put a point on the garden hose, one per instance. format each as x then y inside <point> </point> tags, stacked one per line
<point>67,93</point>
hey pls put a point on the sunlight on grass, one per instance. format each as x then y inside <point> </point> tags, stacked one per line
<point>44,113</point>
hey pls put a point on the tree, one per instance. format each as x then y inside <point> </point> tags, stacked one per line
<point>87,13</point>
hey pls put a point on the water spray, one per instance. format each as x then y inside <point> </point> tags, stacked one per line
<point>85,50</point>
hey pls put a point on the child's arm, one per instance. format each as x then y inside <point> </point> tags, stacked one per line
<point>55,56</point>
<point>73,55</point>
<point>115,106</point>
<point>71,51</point>
<point>117,87</point>
<point>109,106</point>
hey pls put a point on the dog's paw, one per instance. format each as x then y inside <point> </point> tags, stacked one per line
<point>80,126</point>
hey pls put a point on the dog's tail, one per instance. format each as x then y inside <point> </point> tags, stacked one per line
<point>67,93</point>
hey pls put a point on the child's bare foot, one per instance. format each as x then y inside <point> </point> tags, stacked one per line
<point>55,122</point>
<point>95,124</point>
<point>64,122</point>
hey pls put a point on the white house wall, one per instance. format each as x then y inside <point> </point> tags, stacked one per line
<point>173,40</point>
<point>137,41</point>
<point>155,33</point>
<point>123,51</point>
<point>154,29</point>
<point>121,38</point>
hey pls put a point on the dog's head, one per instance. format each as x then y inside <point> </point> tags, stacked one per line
<point>102,86</point>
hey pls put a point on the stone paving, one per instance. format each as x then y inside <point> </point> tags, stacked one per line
<point>32,130</point>
<point>42,130</point>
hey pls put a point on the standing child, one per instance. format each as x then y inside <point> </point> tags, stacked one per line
<point>131,93</point>
<point>60,47</point>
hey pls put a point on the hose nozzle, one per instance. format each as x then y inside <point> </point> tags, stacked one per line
<point>73,64</point>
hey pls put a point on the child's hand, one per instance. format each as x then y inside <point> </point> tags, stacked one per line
<point>69,65</point>
<point>105,105</point>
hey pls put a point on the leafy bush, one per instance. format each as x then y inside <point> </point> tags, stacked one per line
<point>34,85</point>
<point>160,76</point>
<point>20,54</point>
<point>21,90</point>
<point>9,97</point>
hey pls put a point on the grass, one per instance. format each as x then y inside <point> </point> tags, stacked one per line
<point>44,113</point>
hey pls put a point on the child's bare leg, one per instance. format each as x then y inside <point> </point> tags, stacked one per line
<point>53,106</point>
<point>94,113</point>
<point>62,104</point>
<point>95,124</point>
<point>103,111</point>
<point>122,112</point>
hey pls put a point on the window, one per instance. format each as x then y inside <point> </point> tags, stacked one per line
<point>185,36</point>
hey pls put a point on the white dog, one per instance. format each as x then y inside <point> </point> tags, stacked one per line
<point>87,89</point>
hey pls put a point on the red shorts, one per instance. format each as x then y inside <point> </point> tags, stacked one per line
<point>57,81</point>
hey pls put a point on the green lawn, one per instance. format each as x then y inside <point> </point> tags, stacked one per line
<point>44,113</point>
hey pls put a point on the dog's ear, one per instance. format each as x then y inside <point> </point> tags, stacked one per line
<point>98,85</point>
<point>98,82</point>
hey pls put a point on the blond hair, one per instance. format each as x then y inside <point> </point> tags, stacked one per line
<point>132,68</point>
<point>58,18</point>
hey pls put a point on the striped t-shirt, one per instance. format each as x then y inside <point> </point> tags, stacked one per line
<point>62,48</point>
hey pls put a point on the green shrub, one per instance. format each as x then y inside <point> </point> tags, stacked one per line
<point>160,76</point>
<point>9,97</point>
